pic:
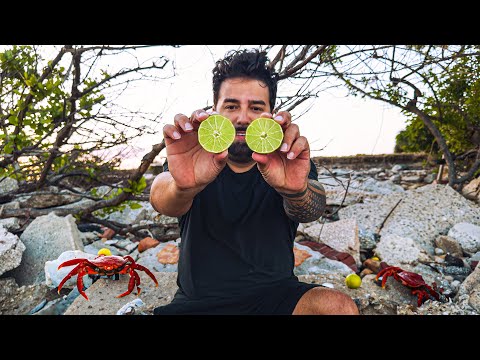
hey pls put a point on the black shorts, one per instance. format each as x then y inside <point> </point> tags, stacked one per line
<point>278,299</point>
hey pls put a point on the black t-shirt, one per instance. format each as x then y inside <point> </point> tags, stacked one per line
<point>235,237</point>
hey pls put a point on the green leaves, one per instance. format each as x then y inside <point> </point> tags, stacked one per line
<point>136,187</point>
<point>454,108</point>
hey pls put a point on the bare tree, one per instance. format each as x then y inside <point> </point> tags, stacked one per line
<point>416,79</point>
<point>413,79</point>
<point>59,117</point>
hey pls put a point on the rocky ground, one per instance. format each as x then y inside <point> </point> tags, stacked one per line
<point>395,213</point>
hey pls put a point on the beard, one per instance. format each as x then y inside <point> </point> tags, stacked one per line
<point>239,152</point>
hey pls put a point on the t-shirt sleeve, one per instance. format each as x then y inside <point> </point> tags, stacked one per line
<point>313,174</point>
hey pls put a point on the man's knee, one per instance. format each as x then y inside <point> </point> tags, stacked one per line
<point>323,301</point>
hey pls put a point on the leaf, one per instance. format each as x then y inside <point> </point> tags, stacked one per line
<point>134,205</point>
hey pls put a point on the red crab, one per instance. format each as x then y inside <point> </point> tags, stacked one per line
<point>105,265</point>
<point>411,280</point>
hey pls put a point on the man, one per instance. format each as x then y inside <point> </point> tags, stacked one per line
<point>238,210</point>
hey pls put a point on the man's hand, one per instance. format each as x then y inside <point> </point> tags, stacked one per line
<point>191,166</point>
<point>286,169</point>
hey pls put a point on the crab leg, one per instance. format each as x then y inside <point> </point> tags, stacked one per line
<point>384,274</point>
<point>421,294</point>
<point>137,281</point>
<point>149,273</point>
<point>433,291</point>
<point>69,275</point>
<point>131,285</point>
<point>70,263</point>
<point>80,276</point>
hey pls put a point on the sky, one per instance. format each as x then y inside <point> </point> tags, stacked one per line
<point>336,125</point>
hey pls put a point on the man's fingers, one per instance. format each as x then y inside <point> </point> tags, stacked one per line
<point>198,116</point>
<point>290,135</point>
<point>221,159</point>
<point>299,149</point>
<point>183,122</point>
<point>284,119</point>
<point>172,132</point>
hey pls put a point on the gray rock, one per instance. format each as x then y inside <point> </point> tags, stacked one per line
<point>15,300</point>
<point>467,235</point>
<point>103,292</point>
<point>368,239</point>
<point>429,178</point>
<point>412,178</point>
<point>126,245</point>
<point>319,264</point>
<point>395,178</point>
<point>82,204</point>
<point>422,215</point>
<point>360,190</point>
<point>342,235</point>
<point>11,224</point>
<point>11,250</point>
<point>102,191</point>
<point>130,216</point>
<point>88,237</point>
<point>60,305</point>
<point>449,245</point>
<point>437,308</point>
<point>470,289</point>
<point>47,200</point>
<point>399,167</point>
<point>472,190</point>
<point>149,259</point>
<point>46,238</point>
<point>7,185</point>
<point>163,219</point>
<point>396,250</point>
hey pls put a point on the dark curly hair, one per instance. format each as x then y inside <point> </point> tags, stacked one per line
<point>251,64</point>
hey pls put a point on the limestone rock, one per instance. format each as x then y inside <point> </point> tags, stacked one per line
<point>11,250</point>
<point>45,239</point>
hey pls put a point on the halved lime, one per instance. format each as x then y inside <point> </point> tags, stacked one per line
<point>216,133</point>
<point>264,135</point>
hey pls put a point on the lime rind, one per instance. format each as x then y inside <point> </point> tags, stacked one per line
<point>264,135</point>
<point>216,133</point>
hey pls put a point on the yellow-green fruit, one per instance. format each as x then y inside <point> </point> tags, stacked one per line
<point>264,135</point>
<point>104,251</point>
<point>353,281</point>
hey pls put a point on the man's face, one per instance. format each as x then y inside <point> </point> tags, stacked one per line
<point>242,100</point>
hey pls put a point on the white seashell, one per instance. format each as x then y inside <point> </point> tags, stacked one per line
<point>129,308</point>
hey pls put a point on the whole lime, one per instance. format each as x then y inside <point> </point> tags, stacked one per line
<point>353,281</point>
<point>104,251</point>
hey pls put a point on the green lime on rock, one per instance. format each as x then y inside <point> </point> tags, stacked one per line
<point>216,133</point>
<point>264,135</point>
<point>353,281</point>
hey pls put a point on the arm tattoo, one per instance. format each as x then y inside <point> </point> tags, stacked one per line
<point>305,206</point>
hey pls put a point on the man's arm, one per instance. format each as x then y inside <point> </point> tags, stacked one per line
<point>307,205</point>
<point>167,199</point>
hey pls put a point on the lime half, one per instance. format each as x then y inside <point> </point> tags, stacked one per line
<point>216,133</point>
<point>264,135</point>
